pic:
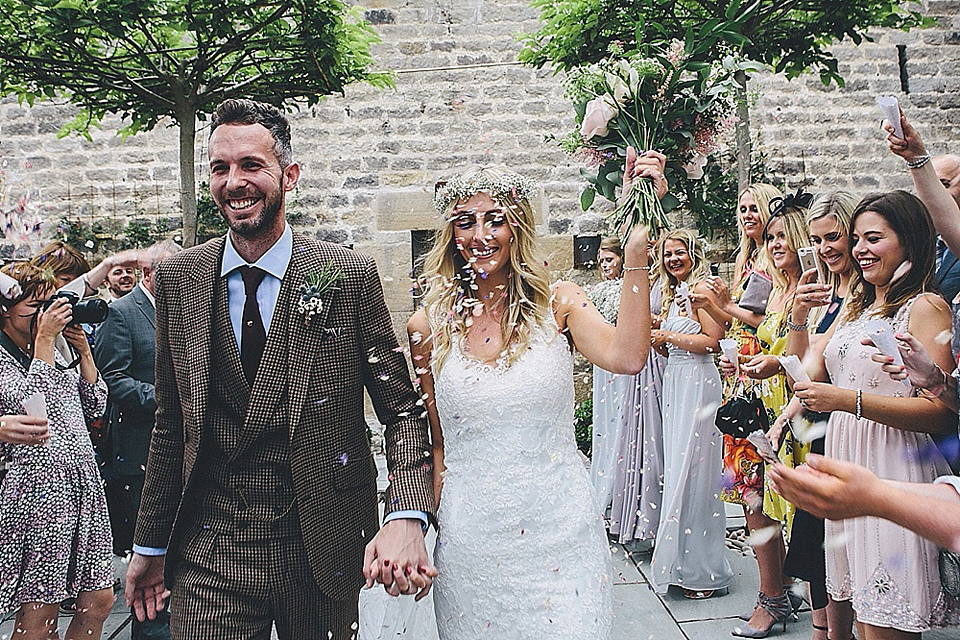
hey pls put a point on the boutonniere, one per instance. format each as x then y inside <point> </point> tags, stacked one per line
<point>314,287</point>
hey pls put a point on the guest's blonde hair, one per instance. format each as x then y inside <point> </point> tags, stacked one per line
<point>449,281</point>
<point>750,252</point>
<point>698,259</point>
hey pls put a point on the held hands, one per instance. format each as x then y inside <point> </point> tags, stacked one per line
<point>397,559</point>
<point>29,430</point>
<point>648,164</point>
<point>144,590</point>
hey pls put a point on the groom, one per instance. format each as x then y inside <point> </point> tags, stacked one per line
<point>260,490</point>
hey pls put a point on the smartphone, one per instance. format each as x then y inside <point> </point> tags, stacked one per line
<point>715,268</point>
<point>809,260</point>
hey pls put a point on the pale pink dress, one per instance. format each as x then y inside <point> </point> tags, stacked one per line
<point>889,573</point>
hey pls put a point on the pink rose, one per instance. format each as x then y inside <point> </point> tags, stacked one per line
<point>596,118</point>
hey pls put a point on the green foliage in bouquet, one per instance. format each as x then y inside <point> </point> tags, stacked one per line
<point>674,97</point>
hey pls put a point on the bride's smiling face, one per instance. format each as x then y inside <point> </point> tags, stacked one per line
<point>482,234</point>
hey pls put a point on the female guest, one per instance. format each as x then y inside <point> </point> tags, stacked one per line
<point>54,530</point>
<point>828,220</point>
<point>522,552</point>
<point>889,573</point>
<point>638,481</point>
<point>742,465</point>
<point>689,549</point>
<point>785,232</point>
<point>613,394</point>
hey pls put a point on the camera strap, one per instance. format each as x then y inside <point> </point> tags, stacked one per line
<point>8,345</point>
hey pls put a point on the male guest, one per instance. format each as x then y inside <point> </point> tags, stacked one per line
<point>121,280</point>
<point>260,487</point>
<point>124,353</point>
<point>947,266</point>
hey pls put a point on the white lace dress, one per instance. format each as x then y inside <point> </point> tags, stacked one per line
<point>522,553</point>
<point>889,573</point>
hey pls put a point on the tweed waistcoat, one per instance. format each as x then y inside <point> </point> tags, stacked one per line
<point>246,486</point>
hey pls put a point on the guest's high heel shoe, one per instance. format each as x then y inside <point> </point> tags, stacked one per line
<point>796,600</point>
<point>749,614</point>
<point>796,603</point>
<point>779,609</point>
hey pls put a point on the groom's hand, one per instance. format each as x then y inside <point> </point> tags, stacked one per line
<point>144,589</point>
<point>397,559</point>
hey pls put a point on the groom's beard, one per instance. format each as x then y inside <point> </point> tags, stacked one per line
<point>252,227</point>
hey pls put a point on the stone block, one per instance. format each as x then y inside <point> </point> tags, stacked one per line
<point>558,252</point>
<point>401,210</point>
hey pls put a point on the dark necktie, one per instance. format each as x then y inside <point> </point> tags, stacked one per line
<point>253,337</point>
<point>941,251</point>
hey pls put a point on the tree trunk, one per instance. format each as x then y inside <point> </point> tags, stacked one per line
<point>188,178</point>
<point>743,132</point>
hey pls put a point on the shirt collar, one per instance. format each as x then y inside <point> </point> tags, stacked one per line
<point>275,261</point>
<point>147,293</point>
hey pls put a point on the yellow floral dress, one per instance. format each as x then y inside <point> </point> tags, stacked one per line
<point>772,334</point>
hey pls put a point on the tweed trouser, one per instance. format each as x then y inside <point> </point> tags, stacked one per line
<point>231,591</point>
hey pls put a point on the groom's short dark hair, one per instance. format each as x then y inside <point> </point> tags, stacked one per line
<point>245,111</point>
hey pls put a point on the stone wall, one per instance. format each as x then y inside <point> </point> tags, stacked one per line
<point>370,158</point>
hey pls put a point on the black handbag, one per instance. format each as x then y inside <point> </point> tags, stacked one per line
<point>742,414</point>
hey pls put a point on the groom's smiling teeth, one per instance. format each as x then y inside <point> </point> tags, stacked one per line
<point>246,203</point>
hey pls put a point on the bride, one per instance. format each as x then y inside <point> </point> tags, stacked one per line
<point>521,551</point>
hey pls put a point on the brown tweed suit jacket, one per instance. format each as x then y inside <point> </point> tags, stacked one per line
<point>322,371</point>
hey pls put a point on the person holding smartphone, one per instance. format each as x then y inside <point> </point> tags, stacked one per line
<point>816,307</point>
<point>55,537</point>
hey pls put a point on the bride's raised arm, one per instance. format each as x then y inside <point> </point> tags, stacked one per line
<point>622,348</point>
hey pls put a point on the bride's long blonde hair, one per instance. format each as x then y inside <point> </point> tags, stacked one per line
<point>449,281</point>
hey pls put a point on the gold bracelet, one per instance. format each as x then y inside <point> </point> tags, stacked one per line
<point>643,268</point>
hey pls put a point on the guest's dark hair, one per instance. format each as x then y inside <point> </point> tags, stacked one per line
<point>244,111</point>
<point>33,280</point>
<point>59,258</point>
<point>911,221</point>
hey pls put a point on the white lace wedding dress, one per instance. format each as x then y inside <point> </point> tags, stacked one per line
<point>521,551</point>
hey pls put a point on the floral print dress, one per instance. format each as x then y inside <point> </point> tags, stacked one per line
<point>742,465</point>
<point>55,536</point>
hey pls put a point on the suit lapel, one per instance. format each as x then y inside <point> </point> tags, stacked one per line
<point>146,308</point>
<point>304,338</point>
<point>198,305</point>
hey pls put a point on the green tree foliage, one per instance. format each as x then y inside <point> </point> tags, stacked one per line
<point>791,36</point>
<point>145,60</point>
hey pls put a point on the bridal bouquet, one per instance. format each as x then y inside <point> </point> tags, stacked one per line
<point>671,99</point>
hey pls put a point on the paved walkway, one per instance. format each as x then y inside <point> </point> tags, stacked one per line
<point>639,613</point>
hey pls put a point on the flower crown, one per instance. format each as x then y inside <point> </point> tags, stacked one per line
<point>498,184</point>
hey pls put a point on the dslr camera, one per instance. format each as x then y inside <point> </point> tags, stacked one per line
<point>89,311</point>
